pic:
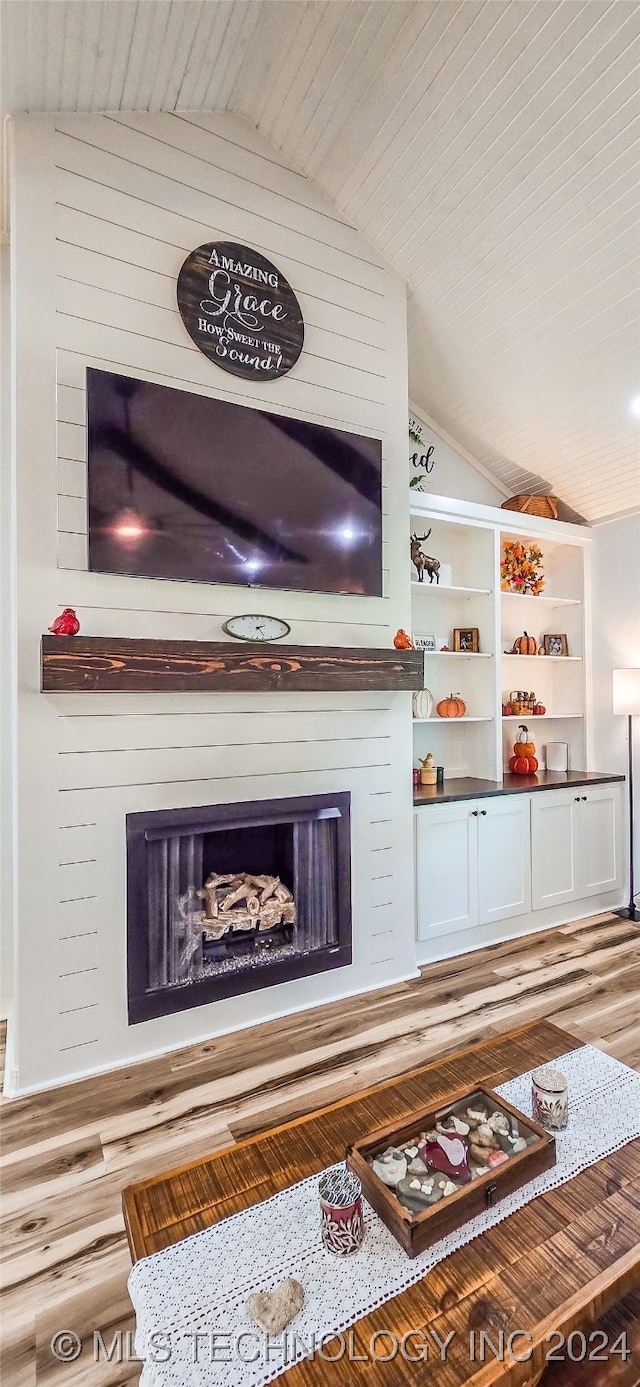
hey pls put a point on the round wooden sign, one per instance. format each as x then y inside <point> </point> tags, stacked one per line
<point>240,310</point>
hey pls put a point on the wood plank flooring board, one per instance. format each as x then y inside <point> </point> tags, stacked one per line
<point>593,950</point>
<point>68,1152</point>
<point>599,1014</point>
<point>190,1141</point>
<point>52,1223</point>
<point>37,1178</point>
<point>18,1355</point>
<point>627,1043</point>
<point>593,925</point>
<point>607,1004</point>
<point>117,1319</point>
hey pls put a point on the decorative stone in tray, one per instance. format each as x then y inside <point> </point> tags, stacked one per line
<point>444,1165</point>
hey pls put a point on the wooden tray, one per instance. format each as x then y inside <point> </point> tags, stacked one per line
<point>416,1231</point>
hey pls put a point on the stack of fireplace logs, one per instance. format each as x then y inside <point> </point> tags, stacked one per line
<point>241,901</point>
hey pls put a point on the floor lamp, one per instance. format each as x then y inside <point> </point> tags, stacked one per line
<point>626,700</point>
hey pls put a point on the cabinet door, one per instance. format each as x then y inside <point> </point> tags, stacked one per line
<point>554,847</point>
<point>600,847</point>
<point>504,858</point>
<point>447,865</point>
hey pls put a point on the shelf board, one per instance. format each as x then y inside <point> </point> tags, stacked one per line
<point>460,654</point>
<point>112,664</point>
<point>543,597</point>
<point>453,721</point>
<point>538,717</point>
<point>457,591</point>
<point>511,655</point>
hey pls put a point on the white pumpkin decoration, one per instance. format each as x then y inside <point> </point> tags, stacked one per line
<point>422,704</point>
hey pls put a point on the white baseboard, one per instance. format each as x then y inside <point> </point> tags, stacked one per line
<point>521,928</point>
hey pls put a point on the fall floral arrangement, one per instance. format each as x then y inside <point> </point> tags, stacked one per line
<point>520,568</point>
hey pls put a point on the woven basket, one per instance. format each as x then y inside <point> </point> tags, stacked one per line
<point>546,506</point>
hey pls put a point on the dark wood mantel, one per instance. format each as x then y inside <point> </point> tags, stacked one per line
<point>106,664</point>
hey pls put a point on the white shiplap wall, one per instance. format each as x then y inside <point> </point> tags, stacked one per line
<point>114,205</point>
<point>487,148</point>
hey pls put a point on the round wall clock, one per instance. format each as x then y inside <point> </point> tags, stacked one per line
<point>240,310</point>
<point>253,627</point>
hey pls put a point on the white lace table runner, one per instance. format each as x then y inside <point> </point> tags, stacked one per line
<point>192,1326</point>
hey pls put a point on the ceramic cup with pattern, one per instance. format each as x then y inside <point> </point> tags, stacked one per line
<point>341,1219</point>
<point>549,1100</point>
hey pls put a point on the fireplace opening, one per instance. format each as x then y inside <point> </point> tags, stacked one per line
<point>228,898</point>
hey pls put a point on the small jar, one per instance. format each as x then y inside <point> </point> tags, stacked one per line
<point>416,777</point>
<point>342,1222</point>
<point>549,1100</point>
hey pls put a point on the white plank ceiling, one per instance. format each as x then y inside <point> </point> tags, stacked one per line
<point>489,149</point>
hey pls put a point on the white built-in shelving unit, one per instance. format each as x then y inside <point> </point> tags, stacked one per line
<point>467,539</point>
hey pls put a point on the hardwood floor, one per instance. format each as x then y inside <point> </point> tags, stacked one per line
<point>67,1153</point>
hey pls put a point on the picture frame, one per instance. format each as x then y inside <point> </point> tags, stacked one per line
<point>466,640</point>
<point>425,642</point>
<point>555,644</point>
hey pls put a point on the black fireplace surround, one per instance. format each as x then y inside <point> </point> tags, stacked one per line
<point>186,947</point>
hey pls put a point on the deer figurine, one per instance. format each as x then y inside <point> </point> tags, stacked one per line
<point>423,561</point>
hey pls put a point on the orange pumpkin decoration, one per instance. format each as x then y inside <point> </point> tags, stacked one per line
<point>451,707</point>
<point>523,761</point>
<point>523,765</point>
<point>522,746</point>
<point>524,645</point>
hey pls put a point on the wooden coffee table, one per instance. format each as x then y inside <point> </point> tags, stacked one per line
<point>555,1266</point>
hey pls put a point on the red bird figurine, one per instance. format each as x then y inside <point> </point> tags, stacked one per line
<point>402,641</point>
<point>66,624</point>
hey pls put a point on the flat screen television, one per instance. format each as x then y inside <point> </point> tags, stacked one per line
<point>187,487</point>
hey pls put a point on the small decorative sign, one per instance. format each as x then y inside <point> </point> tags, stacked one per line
<point>423,460</point>
<point>424,642</point>
<point>240,310</point>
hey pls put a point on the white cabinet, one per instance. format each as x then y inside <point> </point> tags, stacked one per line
<point>510,857</point>
<point>447,869</point>
<point>575,844</point>
<point>554,848</point>
<point>473,864</point>
<point>504,858</point>
<point>601,857</point>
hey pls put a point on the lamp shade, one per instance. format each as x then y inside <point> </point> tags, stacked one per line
<point>626,691</point>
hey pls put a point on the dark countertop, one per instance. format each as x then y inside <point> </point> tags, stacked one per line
<point>466,787</point>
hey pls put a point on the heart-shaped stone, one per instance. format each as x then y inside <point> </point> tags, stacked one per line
<point>274,1310</point>
<point>454,1149</point>
<point>448,1155</point>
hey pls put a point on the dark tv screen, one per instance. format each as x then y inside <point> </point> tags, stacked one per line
<point>187,487</point>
